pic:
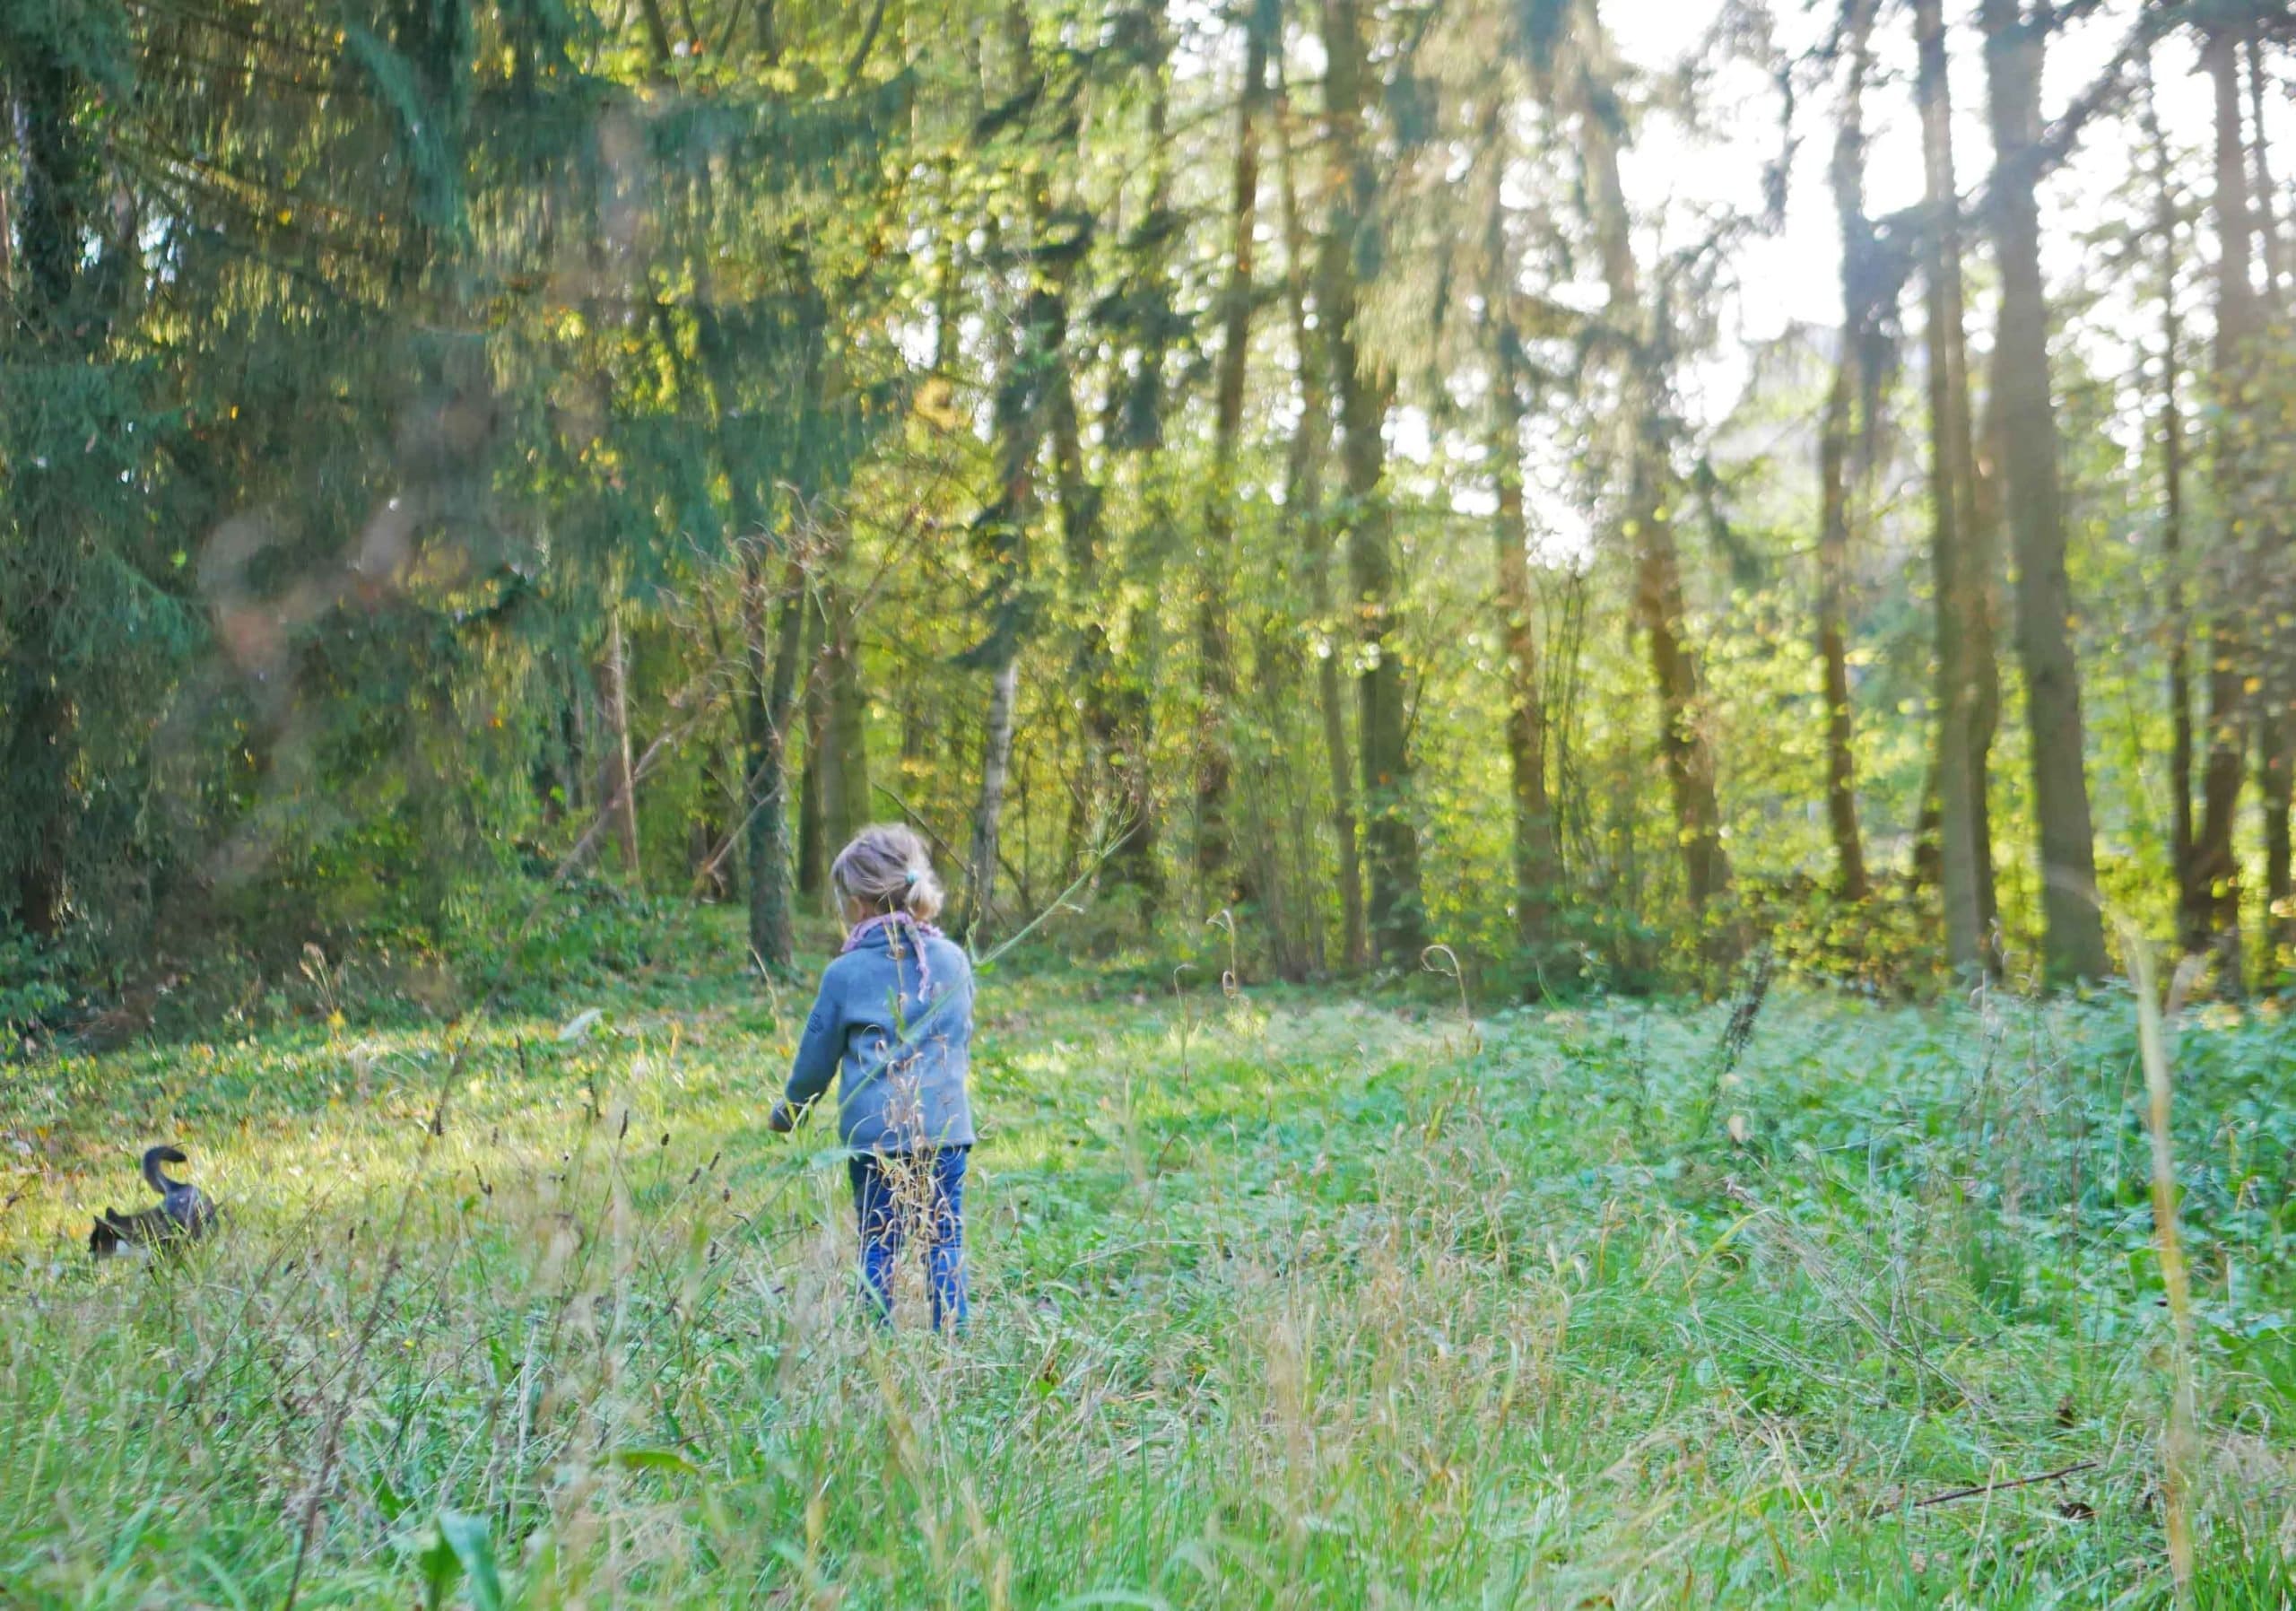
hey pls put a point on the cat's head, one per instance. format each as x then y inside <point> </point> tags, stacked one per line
<point>103,1236</point>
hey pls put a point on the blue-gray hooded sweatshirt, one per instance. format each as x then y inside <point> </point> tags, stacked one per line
<point>903,1089</point>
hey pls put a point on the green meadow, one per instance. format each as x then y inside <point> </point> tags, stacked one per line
<point>1283,1297</point>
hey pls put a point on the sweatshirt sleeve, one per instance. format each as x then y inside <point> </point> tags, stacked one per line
<point>818,1051</point>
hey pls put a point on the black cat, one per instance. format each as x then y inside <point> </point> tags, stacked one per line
<point>184,1213</point>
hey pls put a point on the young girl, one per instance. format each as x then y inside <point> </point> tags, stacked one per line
<point>895,1008</point>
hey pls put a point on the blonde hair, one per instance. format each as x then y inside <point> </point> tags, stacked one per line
<point>888,868</point>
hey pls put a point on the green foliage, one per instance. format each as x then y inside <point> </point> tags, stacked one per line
<point>32,988</point>
<point>320,492</point>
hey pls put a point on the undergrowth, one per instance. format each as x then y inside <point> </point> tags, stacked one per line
<point>1286,1299</point>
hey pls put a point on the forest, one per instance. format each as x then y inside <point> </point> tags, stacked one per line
<point>1397,476</point>
<point>1606,690</point>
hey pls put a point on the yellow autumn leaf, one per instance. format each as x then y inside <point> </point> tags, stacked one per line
<point>937,405</point>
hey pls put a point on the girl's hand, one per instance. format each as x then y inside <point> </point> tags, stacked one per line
<point>781,1120</point>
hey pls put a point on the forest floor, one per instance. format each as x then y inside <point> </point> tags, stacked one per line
<point>1289,1299</point>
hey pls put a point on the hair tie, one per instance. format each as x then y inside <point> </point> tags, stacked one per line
<point>911,876</point>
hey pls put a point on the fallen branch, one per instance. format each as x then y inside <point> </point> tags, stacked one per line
<point>1984,1488</point>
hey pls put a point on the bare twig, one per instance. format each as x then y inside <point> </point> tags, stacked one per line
<point>2181,1443</point>
<point>1466,1011</point>
<point>1982,1489</point>
<point>1180,998</point>
<point>1230,985</point>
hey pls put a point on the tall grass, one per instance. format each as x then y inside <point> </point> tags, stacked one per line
<point>1331,1306</point>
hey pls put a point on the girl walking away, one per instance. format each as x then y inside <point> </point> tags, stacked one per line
<point>895,1010</point>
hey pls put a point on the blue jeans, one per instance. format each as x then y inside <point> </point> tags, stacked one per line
<point>888,1190</point>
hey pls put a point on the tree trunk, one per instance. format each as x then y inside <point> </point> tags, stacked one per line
<point>558,768</point>
<point>657,35</point>
<point>1685,746</point>
<point>1924,870</point>
<point>1132,859</point>
<point>2183,850</point>
<point>2212,899</point>
<point>1001,532</point>
<point>2277,717</point>
<point>1133,424</point>
<point>845,805</point>
<point>772,648</point>
<point>1304,513</point>
<point>995,765</point>
<point>1113,780</point>
<point>1533,836</point>
<point>1355,926</point>
<point>770,698</point>
<point>1834,457</point>
<point>617,788</point>
<point>37,745</point>
<point>7,203</point>
<point>1963,635</point>
<point>1396,912</point>
<point>1535,856</point>
<point>1278,877</point>
<point>706,831</point>
<point>2276,733</point>
<point>1833,639</point>
<point>1981,522</point>
<point>2073,945</point>
<point>1115,798</point>
<point>721,802</point>
<point>37,754</point>
<point>1214,851</point>
<point>813,850</point>
<point>2271,249</point>
<point>1115,714</point>
<point>2177,627</point>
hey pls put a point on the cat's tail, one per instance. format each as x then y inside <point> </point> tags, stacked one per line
<point>154,1158</point>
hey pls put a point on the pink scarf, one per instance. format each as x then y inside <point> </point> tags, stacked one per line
<point>890,924</point>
